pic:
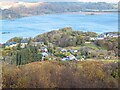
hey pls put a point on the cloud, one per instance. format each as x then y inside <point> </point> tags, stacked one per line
<point>99,1</point>
<point>61,0</point>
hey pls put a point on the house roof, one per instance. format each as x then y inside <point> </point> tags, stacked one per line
<point>114,34</point>
<point>10,43</point>
<point>71,56</point>
<point>24,41</point>
<point>100,36</point>
<point>38,42</point>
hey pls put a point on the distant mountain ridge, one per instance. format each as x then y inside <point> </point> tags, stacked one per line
<point>18,10</point>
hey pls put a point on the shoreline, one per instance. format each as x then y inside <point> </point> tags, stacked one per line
<point>92,12</point>
<point>47,32</point>
<point>84,13</point>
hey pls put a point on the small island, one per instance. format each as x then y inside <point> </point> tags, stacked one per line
<point>5,32</point>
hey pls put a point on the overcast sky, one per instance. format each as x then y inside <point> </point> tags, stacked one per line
<point>113,1</point>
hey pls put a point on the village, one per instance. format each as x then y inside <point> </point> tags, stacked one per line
<point>63,53</point>
<point>104,36</point>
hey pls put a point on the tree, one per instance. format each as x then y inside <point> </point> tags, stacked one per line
<point>80,40</point>
<point>15,39</point>
<point>18,59</point>
<point>29,40</point>
<point>19,46</point>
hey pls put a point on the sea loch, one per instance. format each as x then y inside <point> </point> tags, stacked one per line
<point>35,25</point>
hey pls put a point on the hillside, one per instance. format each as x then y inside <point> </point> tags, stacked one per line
<point>65,37</point>
<point>17,10</point>
<point>61,45</point>
<point>57,74</point>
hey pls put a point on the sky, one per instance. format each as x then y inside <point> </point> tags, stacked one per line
<point>110,1</point>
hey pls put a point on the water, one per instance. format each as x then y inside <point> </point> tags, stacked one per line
<point>35,25</point>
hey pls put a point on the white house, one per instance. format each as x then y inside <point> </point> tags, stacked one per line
<point>72,57</point>
<point>23,45</point>
<point>11,44</point>
<point>101,37</point>
<point>87,42</point>
<point>63,50</point>
<point>93,38</point>
<point>73,51</point>
<point>44,49</point>
<point>24,42</point>
<point>44,54</point>
<point>37,43</point>
<point>114,35</point>
<point>109,35</point>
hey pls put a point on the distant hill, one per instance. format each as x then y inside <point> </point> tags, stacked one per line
<point>18,10</point>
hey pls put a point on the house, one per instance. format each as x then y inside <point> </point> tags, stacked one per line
<point>110,35</point>
<point>24,43</point>
<point>87,42</point>
<point>44,54</point>
<point>44,49</point>
<point>73,51</point>
<point>93,38</point>
<point>2,45</point>
<point>100,37</point>
<point>63,50</point>
<point>106,34</point>
<point>114,35</point>
<point>72,57</point>
<point>37,43</point>
<point>11,44</point>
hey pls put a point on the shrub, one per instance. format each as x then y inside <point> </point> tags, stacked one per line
<point>59,74</point>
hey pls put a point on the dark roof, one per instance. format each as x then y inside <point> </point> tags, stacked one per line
<point>114,34</point>
<point>10,43</point>
<point>24,41</point>
<point>100,36</point>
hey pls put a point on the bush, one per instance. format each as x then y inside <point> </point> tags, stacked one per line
<point>58,74</point>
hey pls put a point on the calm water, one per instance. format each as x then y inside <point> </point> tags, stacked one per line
<point>35,25</point>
